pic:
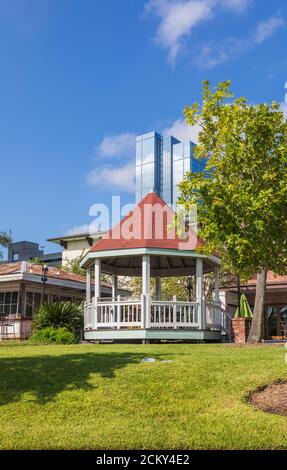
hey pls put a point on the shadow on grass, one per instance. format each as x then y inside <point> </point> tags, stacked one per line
<point>46,376</point>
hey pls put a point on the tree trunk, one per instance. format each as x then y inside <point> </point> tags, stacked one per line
<point>256,330</point>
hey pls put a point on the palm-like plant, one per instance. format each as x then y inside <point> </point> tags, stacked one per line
<point>60,315</point>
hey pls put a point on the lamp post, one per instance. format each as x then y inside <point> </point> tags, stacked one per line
<point>44,279</point>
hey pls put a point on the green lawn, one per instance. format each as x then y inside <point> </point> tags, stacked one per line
<point>102,396</point>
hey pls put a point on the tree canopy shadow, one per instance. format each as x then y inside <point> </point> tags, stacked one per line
<point>45,376</point>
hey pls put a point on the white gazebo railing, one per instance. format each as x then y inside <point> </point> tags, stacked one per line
<point>126,313</point>
<point>173,314</point>
<point>88,315</point>
<point>216,317</point>
<point>113,313</point>
<point>119,313</point>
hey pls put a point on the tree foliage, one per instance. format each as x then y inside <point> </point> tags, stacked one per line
<point>5,240</point>
<point>170,286</point>
<point>74,265</point>
<point>241,197</point>
<point>243,191</point>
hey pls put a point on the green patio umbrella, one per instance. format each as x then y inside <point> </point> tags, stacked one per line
<point>245,310</point>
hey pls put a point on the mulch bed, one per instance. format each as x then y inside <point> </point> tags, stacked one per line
<point>270,398</point>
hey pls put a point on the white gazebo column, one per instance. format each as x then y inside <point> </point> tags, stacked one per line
<point>157,288</point>
<point>88,285</point>
<point>114,297</point>
<point>199,292</point>
<point>97,291</point>
<point>216,284</point>
<point>145,291</point>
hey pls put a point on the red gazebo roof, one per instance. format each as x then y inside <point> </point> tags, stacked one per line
<point>148,225</point>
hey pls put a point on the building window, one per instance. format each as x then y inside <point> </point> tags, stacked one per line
<point>148,177</point>
<point>138,178</point>
<point>8,303</point>
<point>148,147</point>
<point>187,150</point>
<point>15,257</point>
<point>178,172</point>
<point>177,151</point>
<point>33,302</point>
<point>138,152</point>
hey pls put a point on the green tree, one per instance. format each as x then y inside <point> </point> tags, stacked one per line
<point>241,197</point>
<point>5,239</point>
<point>74,265</point>
<point>182,287</point>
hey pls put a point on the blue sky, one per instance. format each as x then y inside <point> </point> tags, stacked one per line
<point>79,79</point>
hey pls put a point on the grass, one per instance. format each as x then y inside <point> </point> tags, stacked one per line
<point>102,396</point>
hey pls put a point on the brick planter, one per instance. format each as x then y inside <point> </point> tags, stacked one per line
<point>240,328</point>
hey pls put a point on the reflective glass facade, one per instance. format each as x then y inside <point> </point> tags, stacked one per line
<point>161,163</point>
<point>148,161</point>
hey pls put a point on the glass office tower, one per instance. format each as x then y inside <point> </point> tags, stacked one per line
<point>161,163</point>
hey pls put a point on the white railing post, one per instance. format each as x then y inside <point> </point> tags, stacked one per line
<point>97,292</point>
<point>199,293</point>
<point>146,288</point>
<point>95,313</point>
<point>88,285</point>
<point>142,311</point>
<point>88,307</point>
<point>174,312</point>
<point>148,311</point>
<point>118,309</point>
<point>114,295</point>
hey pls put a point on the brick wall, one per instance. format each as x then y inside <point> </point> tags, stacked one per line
<point>240,328</point>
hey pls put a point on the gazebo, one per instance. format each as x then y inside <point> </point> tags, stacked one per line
<point>145,243</point>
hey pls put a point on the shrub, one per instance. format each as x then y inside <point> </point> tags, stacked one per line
<point>50,335</point>
<point>67,315</point>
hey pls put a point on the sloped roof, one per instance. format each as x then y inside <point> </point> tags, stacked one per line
<point>148,225</point>
<point>272,278</point>
<point>36,269</point>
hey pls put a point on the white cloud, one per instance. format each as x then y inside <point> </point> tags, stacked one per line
<point>117,145</point>
<point>78,229</point>
<point>178,18</point>
<point>265,29</point>
<point>239,5</point>
<point>116,177</point>
<point>182,131</point>
<point>212,55</point>
<point>119,178</point>
<point>90,229</point>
